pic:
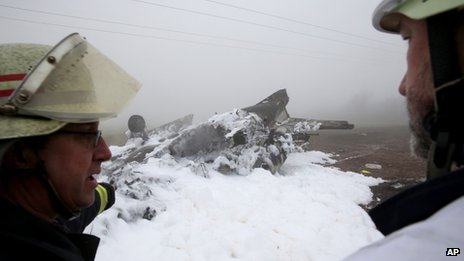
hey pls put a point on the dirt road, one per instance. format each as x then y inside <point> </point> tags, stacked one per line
<point>379,152</point>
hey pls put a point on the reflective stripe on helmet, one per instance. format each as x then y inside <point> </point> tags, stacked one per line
<point>12,77</point>
<point>6,93</point>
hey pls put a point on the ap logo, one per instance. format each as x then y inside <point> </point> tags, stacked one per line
<point>453,251</point>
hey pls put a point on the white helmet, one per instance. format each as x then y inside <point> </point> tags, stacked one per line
<point>385,16</point>
<point>42,88</point>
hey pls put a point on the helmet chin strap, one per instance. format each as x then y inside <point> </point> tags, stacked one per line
<point>56,201</point>
<point>445,124</point>
<point>63,210</point>
<point>40,172</point>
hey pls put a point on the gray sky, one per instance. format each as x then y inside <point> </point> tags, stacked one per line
<point>207,56</point>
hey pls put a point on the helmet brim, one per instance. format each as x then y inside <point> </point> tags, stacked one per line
<point>16,127</point>
<point>388,13</point>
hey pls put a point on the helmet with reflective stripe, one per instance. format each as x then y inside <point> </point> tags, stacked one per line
<point>16,61</point>
<point>386,17</point>
<point>42,88</point>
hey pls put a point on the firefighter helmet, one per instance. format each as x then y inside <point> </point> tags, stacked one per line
<point>42,88</point>
<point>386,17</point>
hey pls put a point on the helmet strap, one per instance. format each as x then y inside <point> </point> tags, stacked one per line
<point>63,210</point>
<point>445,123</point>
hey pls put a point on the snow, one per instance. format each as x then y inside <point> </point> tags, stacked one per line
<point>306,211</point>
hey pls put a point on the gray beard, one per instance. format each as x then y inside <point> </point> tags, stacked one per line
<point>419,142</point>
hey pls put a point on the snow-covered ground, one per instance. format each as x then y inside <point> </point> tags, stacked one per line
<point>307,211</point>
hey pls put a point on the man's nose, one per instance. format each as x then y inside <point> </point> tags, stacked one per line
<point>402,87</point>
<point>102,151</point>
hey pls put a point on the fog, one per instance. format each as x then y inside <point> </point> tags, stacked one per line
<point>205,57</point>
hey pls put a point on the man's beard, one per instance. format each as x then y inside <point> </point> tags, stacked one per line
<point>420,141</point>
<point>419,105</point>
<point>419,145</point>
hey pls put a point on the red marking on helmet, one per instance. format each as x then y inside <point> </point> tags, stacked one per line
<point>10,78</point>
<point>6,93</point>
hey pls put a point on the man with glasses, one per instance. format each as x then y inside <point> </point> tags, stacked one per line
<point>51,102</point>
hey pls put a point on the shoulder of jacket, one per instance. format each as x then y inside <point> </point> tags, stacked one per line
<point>425,240</point>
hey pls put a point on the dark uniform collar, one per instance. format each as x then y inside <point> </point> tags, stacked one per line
<point>19,228</point>
<point>418,203</point>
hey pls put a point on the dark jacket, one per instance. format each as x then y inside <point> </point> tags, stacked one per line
<point>421,223</point>
<point>418,203</point>
<point>25,237</point>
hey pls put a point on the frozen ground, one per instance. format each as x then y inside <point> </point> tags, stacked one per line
<point>375,151</point>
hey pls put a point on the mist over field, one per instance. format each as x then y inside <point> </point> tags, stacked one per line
<point>205,57</point>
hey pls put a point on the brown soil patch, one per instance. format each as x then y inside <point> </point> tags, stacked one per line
<point>387,147</point>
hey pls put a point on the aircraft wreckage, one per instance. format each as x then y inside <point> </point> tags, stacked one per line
<point>235,142</point>
<point>258,136</point>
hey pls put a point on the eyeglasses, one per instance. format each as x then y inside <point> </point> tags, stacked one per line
<point>97,134</point>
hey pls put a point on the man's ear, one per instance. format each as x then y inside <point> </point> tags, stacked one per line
<point>21,155</point>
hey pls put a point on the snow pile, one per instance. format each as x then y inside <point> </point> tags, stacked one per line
<point>166,211</point>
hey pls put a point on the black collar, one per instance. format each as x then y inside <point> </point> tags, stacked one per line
<point>20,228</point>
<point>418,203</point>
